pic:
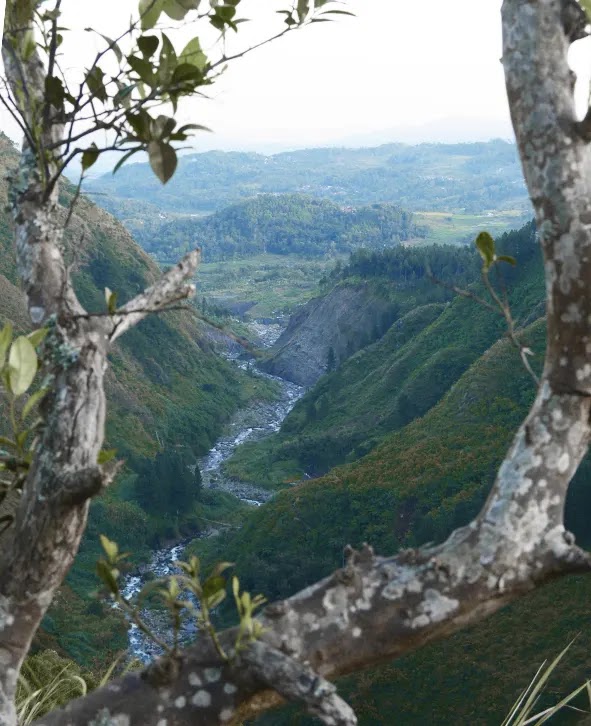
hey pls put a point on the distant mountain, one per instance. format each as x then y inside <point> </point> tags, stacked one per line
<point>469,177</point>
<point>449,130</point>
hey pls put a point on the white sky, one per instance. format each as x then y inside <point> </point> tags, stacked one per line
<point>398,71</point>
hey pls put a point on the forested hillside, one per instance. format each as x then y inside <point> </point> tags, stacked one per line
<point>431,340</point>
<point>445,177</point>
<point>436,401</point>
<point>281,225</point>
<point>169,394</point>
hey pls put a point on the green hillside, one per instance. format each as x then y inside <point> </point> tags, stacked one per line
<point>401,376</point>
<point>417,486</point>
<point>169,395</point>
<point>282,225</point>
<point>419,483</point>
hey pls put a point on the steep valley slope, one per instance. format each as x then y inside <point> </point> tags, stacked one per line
<point>420,481</point>
<point>168,392</point>
<point>378,388</point>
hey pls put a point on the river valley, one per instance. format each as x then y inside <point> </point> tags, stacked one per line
<point>256,421</point>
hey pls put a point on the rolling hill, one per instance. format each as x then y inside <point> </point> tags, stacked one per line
<point>441,177</point>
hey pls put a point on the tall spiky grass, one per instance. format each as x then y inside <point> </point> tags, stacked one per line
<point>523,710</point>
<point>48,681</point>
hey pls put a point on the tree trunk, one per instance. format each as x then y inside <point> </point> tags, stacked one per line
<point>375,608</point>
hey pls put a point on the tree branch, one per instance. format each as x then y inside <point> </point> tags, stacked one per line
<point>378,608</point>
<point>375,608</point>
<point>171,288</point>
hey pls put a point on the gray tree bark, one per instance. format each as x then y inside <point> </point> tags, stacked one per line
<point>51,516</point>
<point>375,608</point>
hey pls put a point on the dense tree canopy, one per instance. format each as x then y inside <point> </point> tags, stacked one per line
<point>283,224</point>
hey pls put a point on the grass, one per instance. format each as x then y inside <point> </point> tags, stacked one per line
<point>271,284</point>
<point>522,713</point>
<point>265,286</point>
<point>48,681</point>
<point>452,228</point>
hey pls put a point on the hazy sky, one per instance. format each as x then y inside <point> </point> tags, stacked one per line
<point>399,70</point>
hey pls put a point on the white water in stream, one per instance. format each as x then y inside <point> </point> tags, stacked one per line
<point>254,422</point>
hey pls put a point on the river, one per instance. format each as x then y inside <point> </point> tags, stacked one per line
<point>254,422</point>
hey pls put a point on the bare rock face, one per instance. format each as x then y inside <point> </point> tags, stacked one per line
<point>344,320</point>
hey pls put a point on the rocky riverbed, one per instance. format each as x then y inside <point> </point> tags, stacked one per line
<point>256,421</point>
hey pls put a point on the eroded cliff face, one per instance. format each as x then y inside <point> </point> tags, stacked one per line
<point>344,320</point>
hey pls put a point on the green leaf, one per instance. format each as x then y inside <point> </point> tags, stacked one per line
<point>7,442</point>
<point>175,9</point>
<point>95,83</point>
<point>338,12</point>
<point>173,588</point>
<point>198,127</point>
<point>140,122</point>
<point>180,135</point>
<point>28,44</point>
<point>213,600</point>
<point>37,336</point>
<point>222,567</point>
<point>5,340</point>
<point>303,8</point>
<point>22,438</point>
<point>586,5</point>
<point>22,365</point>
<point>534,694</point>
<point>107,575</point>
<point>225,13</point>
<point>121,98</point>
<point>186,73</point>
<point>507,258</point>
<point>162,160</point>
<point>258,601</point>
<point>143,68</point>
<point>193,54</point>
<point>125,157</point>
<point>54,91</point>
<point>89,156</point>
<point>148,44</point>
<point>113,45</point>
<point>111,300</point>
<point>191,567</point>
<point>168,60</point>
<point>486,246</point>
<point>161,127</point>
<point>32,401</point>
<point>106,455</point>
<point>236,590</point>
<point>213,585</point>
<point>149,11</point>
<point>111,548</point>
